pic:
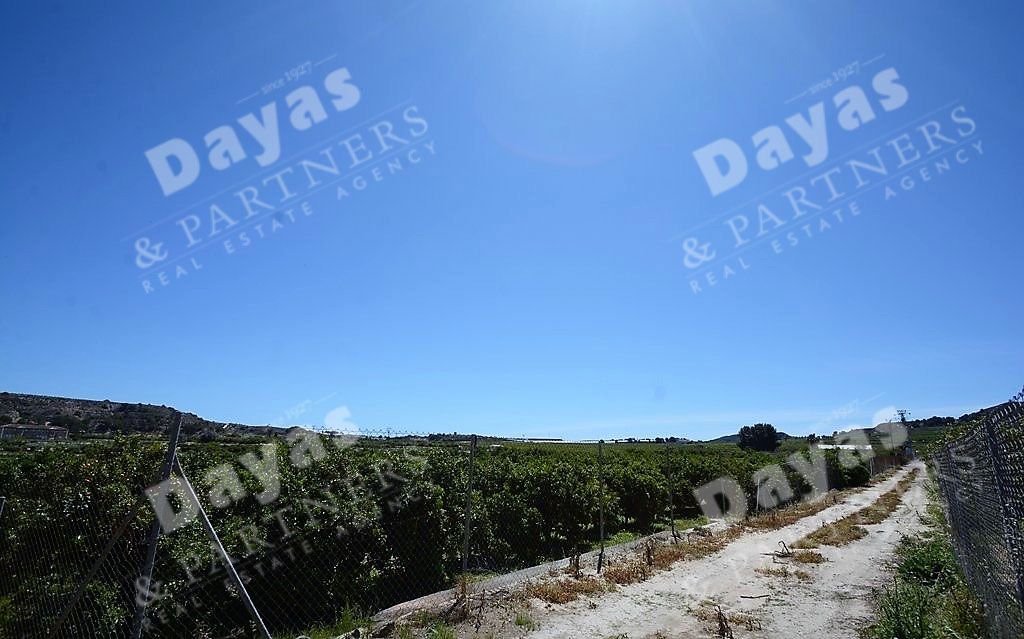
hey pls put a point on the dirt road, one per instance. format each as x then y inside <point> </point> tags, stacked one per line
<point>831,601</point>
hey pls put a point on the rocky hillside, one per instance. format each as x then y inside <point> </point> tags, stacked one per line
<point>97,417</point>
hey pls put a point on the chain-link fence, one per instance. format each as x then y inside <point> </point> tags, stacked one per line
<point>61,515</point>
<point>304,532</point>
<point>981,477</point>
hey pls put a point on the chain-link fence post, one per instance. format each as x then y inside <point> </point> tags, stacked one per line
<point>1011,519</point>
<point>146,575</point>
<point>600,512</point>
<point>668,479</point>
<point>94,569</point>
<point>218,547</point>
<point>468,516</point>
<point>147,570</point>
<point>757,496</point>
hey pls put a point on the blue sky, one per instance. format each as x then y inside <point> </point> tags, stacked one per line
<point>528,276</point>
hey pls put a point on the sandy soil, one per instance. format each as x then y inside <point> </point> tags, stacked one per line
<point>832,604</point>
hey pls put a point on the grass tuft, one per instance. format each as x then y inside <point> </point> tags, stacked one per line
<point>525,621</point>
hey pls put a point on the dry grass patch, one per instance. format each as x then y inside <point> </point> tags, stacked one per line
<point>807,557</point>
<point>783,572</point>
<point>885,505</point>
<point>851,528</point>
<point>839,533</point>
<point>696,547</point>
<point>782,517</point>
<point>561,591</point>
<point>627,572</point>
<point>654,556</point>
<point>879,511</point>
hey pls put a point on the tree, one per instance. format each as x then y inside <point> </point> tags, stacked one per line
<point>759,437</point>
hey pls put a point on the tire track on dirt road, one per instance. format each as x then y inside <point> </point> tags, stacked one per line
<point>833,604</point>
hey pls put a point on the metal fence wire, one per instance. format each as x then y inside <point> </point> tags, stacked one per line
<point>305,533</point>
<point>52,538</point>
<point>981,478</point>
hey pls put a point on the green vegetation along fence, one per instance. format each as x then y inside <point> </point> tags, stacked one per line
<point>981,477</point>
<point>319,532</point>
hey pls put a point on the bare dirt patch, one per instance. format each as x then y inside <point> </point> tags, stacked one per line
<point>822,595</point>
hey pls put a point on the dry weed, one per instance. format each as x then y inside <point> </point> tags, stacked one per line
<point>627,572</point>
<point>837,533</point>
<point>712,615</point>
<point>562,591</point>
<point>807,557</point>
<point>768,571</point>
<point>782,517</point>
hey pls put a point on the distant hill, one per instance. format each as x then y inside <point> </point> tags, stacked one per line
<point>921,430</point>
<point>924,434</point>
<point>949,422</point>
<point>86,416</point>
<point>107,417</point>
